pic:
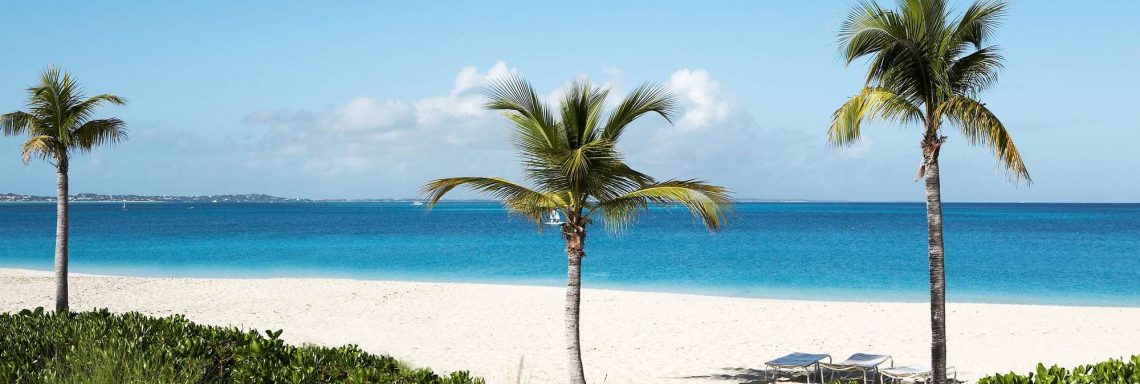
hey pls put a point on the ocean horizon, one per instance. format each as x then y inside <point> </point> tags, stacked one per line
<point>1026,253</point>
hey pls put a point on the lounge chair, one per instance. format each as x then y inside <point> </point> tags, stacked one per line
<point>861,362</point>
<point>914,374</point>
<point>796,361</point>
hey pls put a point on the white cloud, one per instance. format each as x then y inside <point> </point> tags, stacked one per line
<point>403,142</point>
<point>716,139</point>
<point>390,137</point>
<point>704,101</point>
<point>366,113</point>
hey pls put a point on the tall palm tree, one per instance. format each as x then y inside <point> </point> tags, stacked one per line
<point>59,123</point>
<point>926,67</point>
<point>570,155</point>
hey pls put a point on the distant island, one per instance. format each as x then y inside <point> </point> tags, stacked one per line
<point>96,197</point>
<point>247,198</point>
<point>263,198</point>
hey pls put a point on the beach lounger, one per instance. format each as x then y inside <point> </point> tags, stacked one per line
<point>861,362</point>
<point>797,361</point>
<point>914,374</point>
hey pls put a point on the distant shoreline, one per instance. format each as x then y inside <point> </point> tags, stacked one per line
<point>408,201</point>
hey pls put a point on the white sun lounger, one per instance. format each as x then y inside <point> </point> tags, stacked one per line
<point>914,374</point>
<point>797,361</point>
<point>862,362</point>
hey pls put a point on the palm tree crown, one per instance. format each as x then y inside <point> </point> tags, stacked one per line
<point>59,121</point>
<point>926,66</point>
<point>570,154</point>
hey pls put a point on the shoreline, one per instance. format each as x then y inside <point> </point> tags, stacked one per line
<point>628,336</point>
<point>832,295</point>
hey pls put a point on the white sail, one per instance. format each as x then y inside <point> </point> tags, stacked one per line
<point>555,218</point>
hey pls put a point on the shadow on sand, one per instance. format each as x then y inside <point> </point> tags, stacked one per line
<point>748,376</point>
<point>760,376</point>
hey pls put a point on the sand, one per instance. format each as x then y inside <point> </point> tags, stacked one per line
<point>627,337</point>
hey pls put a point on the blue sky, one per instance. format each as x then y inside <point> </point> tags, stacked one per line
<point>371,99</point>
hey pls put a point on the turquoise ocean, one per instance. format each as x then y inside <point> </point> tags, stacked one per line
<point>1066,254</point>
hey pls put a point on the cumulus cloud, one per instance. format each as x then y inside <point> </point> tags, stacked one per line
<point>714,138</point>
<point>392,136</point>
<point>407,141</point>
<point>705,101</point>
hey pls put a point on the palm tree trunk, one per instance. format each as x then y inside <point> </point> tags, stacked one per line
<point>61,237</point>
<point>575,242</point>
<point>937,273</point>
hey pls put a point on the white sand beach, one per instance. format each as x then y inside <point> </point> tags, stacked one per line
<point>627,337</point>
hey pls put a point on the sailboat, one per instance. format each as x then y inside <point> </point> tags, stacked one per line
<point>124,205</point>
<point>417,203</point>
<point>555,218</point>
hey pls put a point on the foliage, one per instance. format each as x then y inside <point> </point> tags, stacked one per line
<point>926,66</point>
<point>1113,371</point>
<point>59,120</point>
<point>569,153</point>
<point>101,347</point>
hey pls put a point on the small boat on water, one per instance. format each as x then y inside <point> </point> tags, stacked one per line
<point>417,203</point>
<point>124,205</point>
<point>555,218</point>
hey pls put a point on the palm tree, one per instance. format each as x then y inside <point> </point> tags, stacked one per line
<point>570,155</point>
<point>927,66</point>
<point>58,123</point>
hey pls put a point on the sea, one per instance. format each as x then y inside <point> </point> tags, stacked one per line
<point>1051,254</point>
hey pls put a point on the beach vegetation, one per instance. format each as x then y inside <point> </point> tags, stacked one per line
<point>1122,371</point>
<point>577,175</point>
<point>926,67</point>
<point>59,123</point>
<point>38,347</point>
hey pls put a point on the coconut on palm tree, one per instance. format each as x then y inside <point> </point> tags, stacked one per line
<point>927,68</point>
<point>58,123</point>
<point>571,160</point>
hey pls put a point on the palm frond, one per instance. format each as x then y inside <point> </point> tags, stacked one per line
<point>43,147</point>
<point>646,98</point>
<point>16,123</point>
<point>973,73</point>
<point>96,133</point>
<point>706,202</point>
<point>869,28</point>
<point>612,178</point>
<point>978,22</point>
<point>576,162</point>
<point>898,45</point>
<point>85,109</point>
<point>869,104</point>
<point>517,98</point>
<point>981,127</point>
<point>517,198</point>
<point>581,108</point>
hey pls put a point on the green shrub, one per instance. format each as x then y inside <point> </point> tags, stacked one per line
<point>101,347</point>
<point>1113,371</point>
